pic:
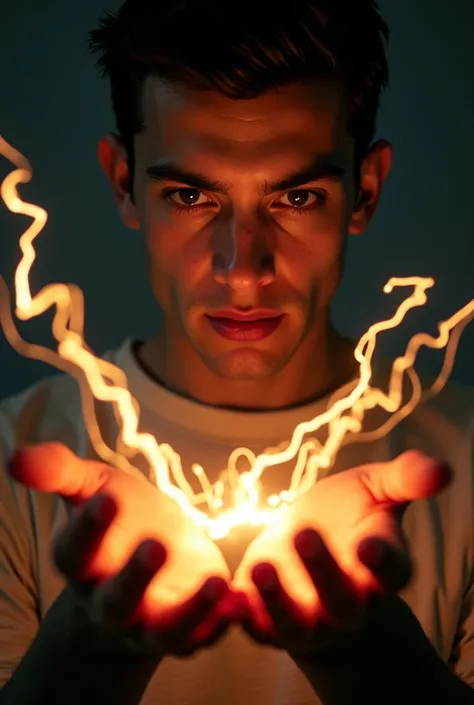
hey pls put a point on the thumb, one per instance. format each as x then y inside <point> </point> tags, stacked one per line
<point>412,475</point>
<point>52,467</point>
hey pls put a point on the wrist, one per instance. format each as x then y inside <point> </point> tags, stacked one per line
<point>360,638</point>
<point>389,659</point>
<point>99,641</point>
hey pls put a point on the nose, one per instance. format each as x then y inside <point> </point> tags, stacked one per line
<point>243,258</point>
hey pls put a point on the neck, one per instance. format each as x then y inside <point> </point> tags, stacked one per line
<point>323,363</point>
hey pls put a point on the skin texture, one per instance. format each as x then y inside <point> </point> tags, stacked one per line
<point>154,583</point>
<point>315,576</point>
<point>243,249</point>
<point>303,584</point>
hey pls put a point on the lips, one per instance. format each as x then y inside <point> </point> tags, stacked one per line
<point>248,327</point>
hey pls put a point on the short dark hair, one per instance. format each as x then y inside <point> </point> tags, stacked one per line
<point>242,48</point>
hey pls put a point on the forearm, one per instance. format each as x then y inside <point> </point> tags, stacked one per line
<point>71,661</point>
<point>392,662</point>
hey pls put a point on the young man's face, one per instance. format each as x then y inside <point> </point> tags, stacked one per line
<point>246,206</point>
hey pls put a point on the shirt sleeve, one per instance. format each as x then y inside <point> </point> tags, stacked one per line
<point>462,655</point>
<point>19,615</point>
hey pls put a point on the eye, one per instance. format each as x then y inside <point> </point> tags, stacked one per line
<point>301,198</point>
<point>186,198</point>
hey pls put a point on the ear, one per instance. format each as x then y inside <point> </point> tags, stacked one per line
<point>374,171</point>
<point>113,160</point>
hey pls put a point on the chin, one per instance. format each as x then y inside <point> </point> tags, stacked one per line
<point>245,365</point>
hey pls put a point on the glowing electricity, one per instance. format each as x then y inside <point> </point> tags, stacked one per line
<point>104,381</point>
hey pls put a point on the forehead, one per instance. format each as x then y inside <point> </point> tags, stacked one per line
<point>299,119</point>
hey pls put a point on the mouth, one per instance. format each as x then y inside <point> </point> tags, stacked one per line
<point>245,327</point>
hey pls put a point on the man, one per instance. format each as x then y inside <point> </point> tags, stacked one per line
<point>244,153</point>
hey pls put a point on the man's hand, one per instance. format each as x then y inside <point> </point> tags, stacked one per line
<point>137,564</point>
<point>350,552</point>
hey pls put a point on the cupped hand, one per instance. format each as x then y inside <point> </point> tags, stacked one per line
<point>136,561</point>
<point>311,579</point>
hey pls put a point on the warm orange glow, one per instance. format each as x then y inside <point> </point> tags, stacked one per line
<point>104,381</point>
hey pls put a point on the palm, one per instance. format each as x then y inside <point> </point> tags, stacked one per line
<point>344,509</point>
<point>142,512</point>
<point>145,512</point>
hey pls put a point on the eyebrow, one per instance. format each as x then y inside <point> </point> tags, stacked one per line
<point>316,170</point>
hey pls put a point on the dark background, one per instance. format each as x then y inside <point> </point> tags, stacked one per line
<point>53,108</point>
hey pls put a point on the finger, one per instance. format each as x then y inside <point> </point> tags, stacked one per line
<point>244,615</point>
<point>52,467</point>
<point>76,545</point>
<point>117,600</point>
<point>178,627</point>
<point>412,475</point>
<point>260,636</point>
<point>391,565</point>
<point>227,610</point>
<point>206,639</point>
<point>291,625</point>
<point>399,511</point>
<point>233,606</point>
<point>339,598</point>
<point>214,634</point>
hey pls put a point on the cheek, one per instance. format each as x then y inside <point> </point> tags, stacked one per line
<point>162,261</point>
<point>177,263</point>
<point>311,256</point>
